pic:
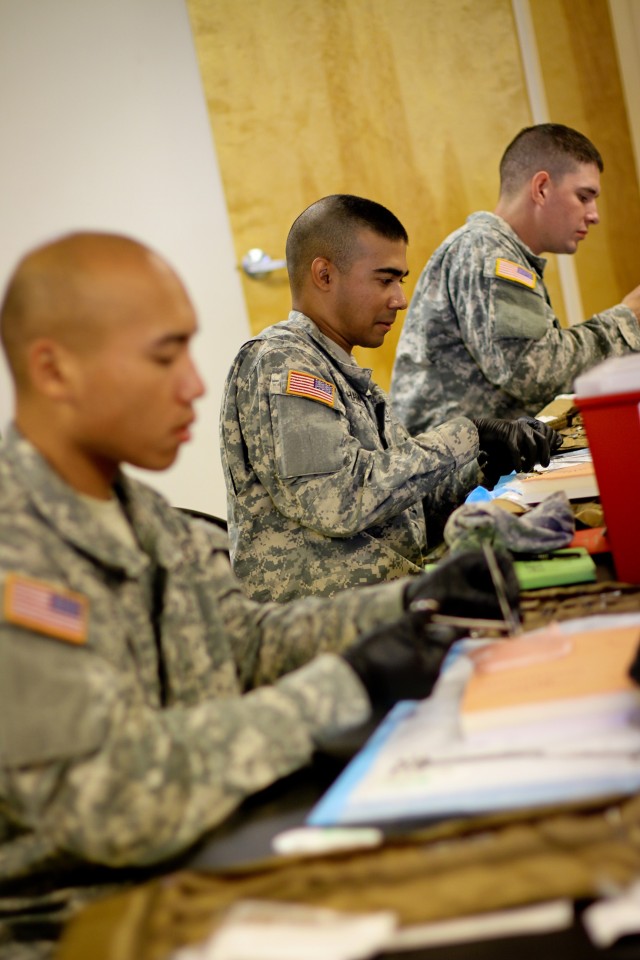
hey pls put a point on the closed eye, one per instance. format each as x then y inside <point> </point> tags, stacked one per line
<point>167,350</point>
<point>167,353</point>
<point>164,361</point>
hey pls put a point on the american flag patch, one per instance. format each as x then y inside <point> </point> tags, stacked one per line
<point>46,609</point>
<point>306,385</point>
<point>513,271</point>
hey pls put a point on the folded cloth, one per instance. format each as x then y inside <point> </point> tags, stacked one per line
<point>548,526</point>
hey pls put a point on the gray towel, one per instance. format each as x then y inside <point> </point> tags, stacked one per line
<point>549,526</point>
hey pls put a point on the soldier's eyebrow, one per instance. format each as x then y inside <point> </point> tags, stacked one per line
<point>169,344</point>
<point>177,337</point>
<point>394,271</point>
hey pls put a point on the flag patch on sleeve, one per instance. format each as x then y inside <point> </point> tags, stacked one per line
<point>509,270</point>
<point>46,609</point>
<point>314,388</point>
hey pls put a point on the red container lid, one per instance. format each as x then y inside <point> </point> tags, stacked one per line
<point>607,400</point>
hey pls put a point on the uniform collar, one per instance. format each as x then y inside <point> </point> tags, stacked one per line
<point>63,509</point>
<point>496,223</point>
<point>359,377</point>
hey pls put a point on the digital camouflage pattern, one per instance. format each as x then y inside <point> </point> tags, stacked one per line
<point>122,749</point>
<point>325,487</point>
<point>475,343</point>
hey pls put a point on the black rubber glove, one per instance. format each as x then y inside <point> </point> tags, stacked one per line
<point>401,660</point>
<point>634,666</point>
<point>555,439</point>
<point>462,586</point>
<point>512,445</point>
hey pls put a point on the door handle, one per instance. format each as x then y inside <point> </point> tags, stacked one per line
<point>257,264</point>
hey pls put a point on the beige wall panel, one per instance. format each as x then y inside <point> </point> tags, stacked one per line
<point>580,69</point>
<point>409,102</point>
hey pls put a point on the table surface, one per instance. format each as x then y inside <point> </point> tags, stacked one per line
<point>246,836</point>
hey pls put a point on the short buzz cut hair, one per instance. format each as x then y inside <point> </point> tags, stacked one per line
<point>328,229</point>
<point>546,146</point>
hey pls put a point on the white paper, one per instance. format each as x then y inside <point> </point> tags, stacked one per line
<point>270,930</point>
<point>608,920</point>
<point>535,919</point>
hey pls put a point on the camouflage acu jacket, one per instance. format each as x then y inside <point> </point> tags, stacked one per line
<point>481,338</point>
<point>135,707</point>
<point>325,487</point>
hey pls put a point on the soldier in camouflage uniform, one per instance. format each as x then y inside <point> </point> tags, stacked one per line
<point>480,335</point>
<point>143,695</point>
<point>326,489</point>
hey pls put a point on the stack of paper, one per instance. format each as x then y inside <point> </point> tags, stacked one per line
<point>573,473</point>
<point>551,686</point>
<point>577,736</point>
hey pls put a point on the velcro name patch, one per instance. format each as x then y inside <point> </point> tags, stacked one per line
<point>312,387</point>
<point>45,608</point>
<point>509,270</point>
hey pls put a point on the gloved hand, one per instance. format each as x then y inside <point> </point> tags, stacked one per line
<point>555,439</point>
<point>513,445</point>
<point>462,586</point>
<point>400,660</point>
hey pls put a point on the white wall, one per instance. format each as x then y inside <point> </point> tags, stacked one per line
<point>104,126</point>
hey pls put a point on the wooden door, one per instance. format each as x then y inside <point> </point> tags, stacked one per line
<point>407,102</point>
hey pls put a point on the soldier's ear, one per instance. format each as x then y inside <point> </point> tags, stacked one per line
<point>322,271</point>
<point>50,368</point>
<point>540,185</point>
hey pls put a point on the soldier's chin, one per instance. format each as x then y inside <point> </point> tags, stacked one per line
<point>156,461</point>
<point>379,334</point>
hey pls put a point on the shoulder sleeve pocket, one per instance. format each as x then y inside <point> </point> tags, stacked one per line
<point>308,436</point>
<point>519,311</point>
<point>51,705</point>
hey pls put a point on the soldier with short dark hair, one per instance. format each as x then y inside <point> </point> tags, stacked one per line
<point>325,487</point>
<point>480,336</point>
